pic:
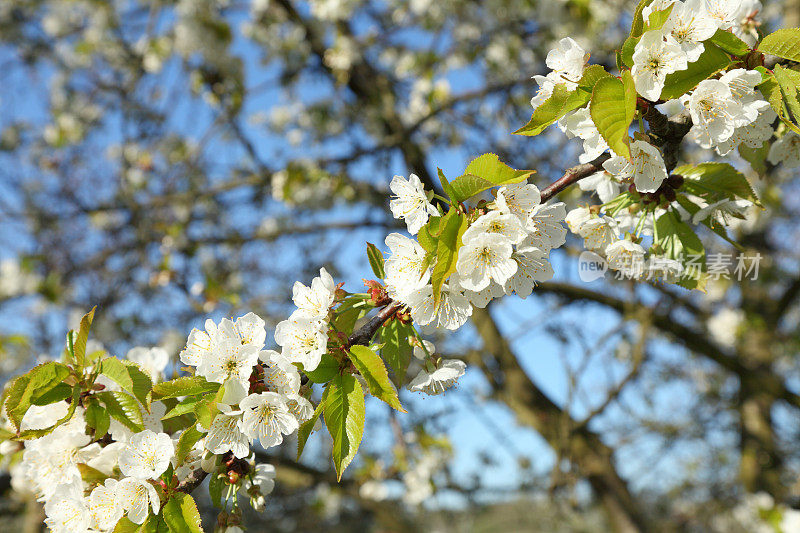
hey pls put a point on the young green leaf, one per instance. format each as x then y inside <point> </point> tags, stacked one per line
<point>181,515</point>
<point>716,181</point>
<point>97,418</point>
<point>130,377</point>
<point>637,26</point>
<point>372,369</point>
<point>613,107</point>
<point>124,408</point>
<point>657,18</point>
<point>783,43</point>
<point>591,75</point>
<point>343,407</point>
<point>28,388</point>
<point>679,241</point>
<point>186,442</point>
<point>183,386</point>
<point>711,61</point>
<point>773,92</point>
<point>789,82</point>
<point>305,430</point>
<point>79,348</point>
<point>375,257</point>
<point>326,370</point>
<point>396,350</point>
<point>730,43</point>
<point>454,224</point>
<point>483,173</point>
<point>561,102</point>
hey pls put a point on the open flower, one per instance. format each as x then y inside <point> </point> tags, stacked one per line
<point>439,380</point>
<point>136,497</point>
<point>519,199</point>
<point>715,113</point>
<point>280,375</point>
<point>229,360</point>
<point>646,166</point>
<point>315,301</point>
<point>546,227</point>
<point>689,24</point>
<point>147,455</point>
<point>599,232</point>
<point>66,510</point>
<point>266,416</point>
<point>224,435</point>
<point>567,61</point>
<point>785,150</point>
<point>199,345</point>
<point>405,268</point>
<point>484,258</point>
<point>260,486</point>
<point>507,225</point>
<point>626,257</point>
<point>655,56</point>
<point>532,268</point>
<point>303,341</point>
<point>104,507</point>
<point>410,202</point>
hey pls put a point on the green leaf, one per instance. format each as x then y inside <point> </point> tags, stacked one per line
<point>343,407</point>
<point>91,475</point>
<point>773,92</point>
<point>446,187</point>
<point>58,393</point>
<point>637,26</point>
<point>216,485</point>
<point>657,18</point>
<point>561,102</point>
<point>716,181</point>
<point>79,348</point>
<point>153,524</point>
<point>184,386</point>
<point>326,370</point>
<point>31,386</point>
<point>783,43</point>
<point>372,369</point>
<point>396,350</point>
<point>97,418</point>
<point>181,515</point>
<point>591,75</point>
<point>38,433</point>
<point>375,257</point>
<point>730,43</point>
<point>679,241</point>
<point>305,430</point>
<point>186,442</point>
<point>626,54</point>
<point>206,410</point>
<point>454,224</point>
<point>612,107</point>
<point>130,377</point>
<point>124,408</point>
<point>483,173</point>
<point>711,61</point>
<point>789,80</point>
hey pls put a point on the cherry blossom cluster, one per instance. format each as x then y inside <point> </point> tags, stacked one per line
<point>504,250</point>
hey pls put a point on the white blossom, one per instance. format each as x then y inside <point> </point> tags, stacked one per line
<point>315,301</point>
<point>260,486</point>
<point>689,24</point>
<point>715,113</point>
<point>104,507</point>
<point>646,167</point>
<point>546,227</point>
<point>655,56</point>
<point>410,202</point>
<point>266,416</point>
<point>151,360</point>
<point>147,455</point>
<point>303,341</point>
<point>626,257</point>
<point>599,232</point>
<point>485,258</point>
<point>580,124</point>
<point>518,199</point>
<point>439,380</point>
<point>603,183</point>
<point>507,225</point>
<point>136,497</point>
<point>532,268</point>
<point>229,360</point>
<point>405,267</point>
<point>785,150</point>
<point>225,434</point>
<point>66,511</point>
<point>280,375</point>
<point>567,61</point>
<point>722,212</point>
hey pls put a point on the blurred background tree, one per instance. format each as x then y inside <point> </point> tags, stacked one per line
<point>173,160</point>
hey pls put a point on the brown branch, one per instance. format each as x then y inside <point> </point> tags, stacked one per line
<point>192,481</point>
<point>574,175</point>
<point>365,333</point>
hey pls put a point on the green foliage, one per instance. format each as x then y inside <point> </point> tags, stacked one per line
<point>625,56</point>
<point>97,418</point>
<point>711,61</point>
<point>187,440</point>
<point>637,26</point>
<point>343,407</point>
<point>124,408</point>
<point>153,524</point>
<point>183,386</point>
<point>561,102</point>
<point>372,369</point>
<point>216,485</point>
<point>613,107</point>
<point>678,240</point>
<point>375,257</point>
<point>305,430</point>
<point>90,475</point>
<point>326,370</point>
<point>448,240</point>
<point>716,181</point>
<point>184,407</point>
<point>783,43</point>
<point>79,347</point>
<point>783,87</point>
<point>483,173</point>
<point>32,386</point>
<point>657,18</point>
<point>181,515</point>
<point>37,433</point>
<point>129,377</point>
<point>396,350</point>
<point>730,43</point>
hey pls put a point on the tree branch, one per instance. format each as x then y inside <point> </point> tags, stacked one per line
<point>574,175</point>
